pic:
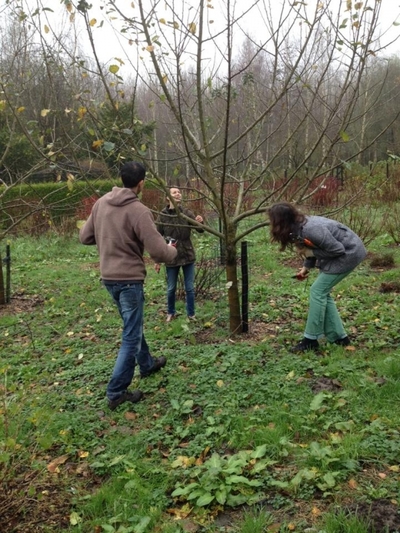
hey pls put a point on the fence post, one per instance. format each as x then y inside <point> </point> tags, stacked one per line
<point>245,287</point>
<point>8,273</point>
<point>222,251</point>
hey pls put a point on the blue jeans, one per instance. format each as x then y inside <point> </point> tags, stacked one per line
<point>172,279</point>
<point>323,317</point>
<point>129,299</point>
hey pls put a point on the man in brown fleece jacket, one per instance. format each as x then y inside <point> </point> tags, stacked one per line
<point>122,228</point>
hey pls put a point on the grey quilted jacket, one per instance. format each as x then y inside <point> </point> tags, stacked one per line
<point>337,249</point>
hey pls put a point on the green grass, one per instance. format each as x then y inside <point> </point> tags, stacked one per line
<point>263,436</point>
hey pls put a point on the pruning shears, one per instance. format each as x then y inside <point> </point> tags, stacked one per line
<point>301,241</point>
<point>300,277</point>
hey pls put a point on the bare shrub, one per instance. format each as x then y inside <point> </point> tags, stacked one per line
<point>391,223</point>
<point>30,218</point>
<point>207,279</point>
<point>365,221</point>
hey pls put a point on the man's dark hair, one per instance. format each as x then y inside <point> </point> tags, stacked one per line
<point>132,174</point>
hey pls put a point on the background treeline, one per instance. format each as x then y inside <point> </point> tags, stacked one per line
<point>59,115</point>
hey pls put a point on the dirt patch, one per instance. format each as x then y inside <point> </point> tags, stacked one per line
<point>381,262</point>
<point>28,505</point>
<point>21,303</point>
<point>295,262</point>
<point>33,501</point>
<point>381,515</point>
<point>91,266</point>
<point>258,332</point>
<point>393,286</point>
<point>325,384</point>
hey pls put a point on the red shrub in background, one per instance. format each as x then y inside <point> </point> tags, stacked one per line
<point>327,194</point>
<point>85,207</point>
<point>153,198</point>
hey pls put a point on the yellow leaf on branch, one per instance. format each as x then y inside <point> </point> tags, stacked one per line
<point>81,112</point>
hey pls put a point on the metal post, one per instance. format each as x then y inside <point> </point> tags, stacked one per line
<point>8,274</point>
<point>245,287</point>
<point>222,251</point>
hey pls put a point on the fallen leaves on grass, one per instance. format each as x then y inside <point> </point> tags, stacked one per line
<point>53,467</point>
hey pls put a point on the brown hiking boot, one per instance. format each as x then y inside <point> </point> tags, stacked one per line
<point>159,362</point>
<point>133,397</point>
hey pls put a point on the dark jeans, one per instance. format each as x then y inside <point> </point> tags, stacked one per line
<point>172,278</point>
<point>129,298</point>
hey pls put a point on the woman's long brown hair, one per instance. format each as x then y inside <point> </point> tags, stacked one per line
<point>286,220</point>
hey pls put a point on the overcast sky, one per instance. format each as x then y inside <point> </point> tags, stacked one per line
<point>107,43</point>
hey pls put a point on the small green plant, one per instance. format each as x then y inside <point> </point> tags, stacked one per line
<point>231,480</point>
<point>344,523</point>
<point>325,468</point>
<point>255,521</point>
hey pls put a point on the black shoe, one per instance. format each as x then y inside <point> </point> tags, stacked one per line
<point>343,342</point>
<point>133,397</point>
<point>159,362</point>
<point>305,345</point>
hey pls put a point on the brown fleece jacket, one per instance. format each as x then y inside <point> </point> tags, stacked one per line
<point>122,228</point>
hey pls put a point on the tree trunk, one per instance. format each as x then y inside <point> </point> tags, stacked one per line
<point>235,319</point>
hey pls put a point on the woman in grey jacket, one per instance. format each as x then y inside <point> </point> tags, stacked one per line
<point>328,245</point>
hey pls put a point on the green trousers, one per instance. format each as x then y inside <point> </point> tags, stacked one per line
<point>323,317</point>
